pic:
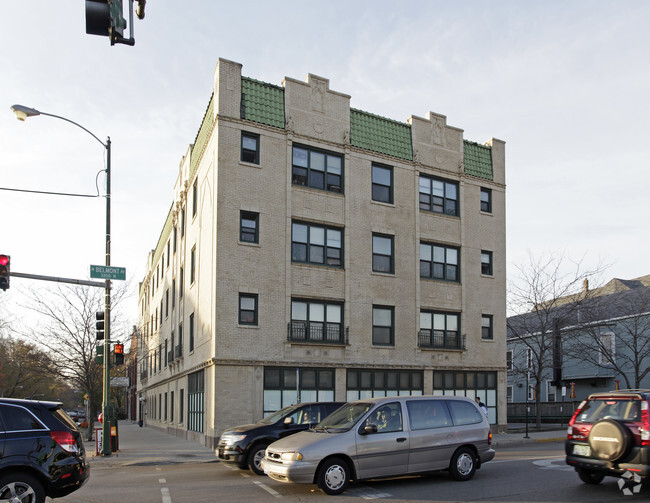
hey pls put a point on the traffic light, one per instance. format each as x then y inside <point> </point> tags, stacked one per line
<point>119,354</point>
<point>5,266</point>
<point>105,18</point>
<point>99,325</point>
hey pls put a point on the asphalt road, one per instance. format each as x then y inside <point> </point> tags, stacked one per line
<point>534,472</point>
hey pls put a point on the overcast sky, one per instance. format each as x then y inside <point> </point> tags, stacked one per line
<point>564,83</point>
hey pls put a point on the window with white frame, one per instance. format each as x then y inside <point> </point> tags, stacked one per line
<point>607,348</point>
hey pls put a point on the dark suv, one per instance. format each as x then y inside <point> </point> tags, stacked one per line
<point>245,445</point>
<point>609,434</point>
<point>41,451</point>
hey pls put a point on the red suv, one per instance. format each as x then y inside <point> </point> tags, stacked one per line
<point>609,434</point>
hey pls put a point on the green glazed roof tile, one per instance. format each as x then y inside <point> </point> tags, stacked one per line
<point>379,134</point>
<point>202,137</point>
<point>262,102</point>
<point>478,160</point>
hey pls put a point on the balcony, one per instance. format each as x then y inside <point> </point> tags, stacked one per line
<point>317,333</point>
<point>178,351</point>
<point>143,375</point>
<point>170,356</point>
<point>437,339</point>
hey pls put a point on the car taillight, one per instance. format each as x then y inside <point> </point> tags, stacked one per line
<point>569,430</point>
<point>490,437</point>
<point>645,424</point>
<point>66,440</point>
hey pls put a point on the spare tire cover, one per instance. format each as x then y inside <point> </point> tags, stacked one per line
<point>609,439</point>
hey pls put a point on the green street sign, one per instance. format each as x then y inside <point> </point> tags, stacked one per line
<point>105,272</point>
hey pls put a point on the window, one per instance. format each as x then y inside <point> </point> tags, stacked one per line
<point>247,309</point>
<point>470,384</point>
<point>607,348</point>
<point>166,302</point>
<point>18,419</point>
<point>195,402</point>
<point>383,327</point>
<point>171,407</point>
<point>183,222</point>
<point>175,236</point>
<point>486,327</point>
<point>382,183</point>
<point>509,359</point>
<point>182,283</point>
<point>439,330</point>
<point>464,413</point>
<point>166,352</point>
<point>314,244</point>
<point>248,227</point>
<point>529,359</point>
<point>486,262</point>
<point>195,197</point>
<point>438,196</point>
<point>365,383</point>
<point>161,313</point>
<point>282,384</point>
<point>180,406</point>
<point>178,350</point>
<point>191,332</point>
<point>317,169</point>
<point>165,410</point>
<point>173,293</point>
<point>551,392</point>
<point>192,264</point>
<point>486,200</point>
<point>509,390</point>
<point>168,257</point>
<point>250,147</point>
<point>425,414</point>
<point>382,254</point>
<point>439,262</point>
<point>316,321</point>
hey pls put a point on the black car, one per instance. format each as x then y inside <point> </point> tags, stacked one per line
<point>245,445</point>
<point>41,451</point>
<point>609,435</point>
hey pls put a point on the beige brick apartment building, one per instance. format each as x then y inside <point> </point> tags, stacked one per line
<point>314,251</point>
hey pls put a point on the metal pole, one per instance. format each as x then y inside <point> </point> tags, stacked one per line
<point>527,387</point>
<point>106,426</point>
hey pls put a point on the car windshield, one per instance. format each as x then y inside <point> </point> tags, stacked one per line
<point>623,409</point>
<point>63,417</point>
<point>345,417</point>
<point>276,416</point>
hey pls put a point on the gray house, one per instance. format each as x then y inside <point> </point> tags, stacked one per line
<point>597,340</point>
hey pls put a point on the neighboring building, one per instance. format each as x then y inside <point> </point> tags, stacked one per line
<point>602,342</point>
<point>318,252</point>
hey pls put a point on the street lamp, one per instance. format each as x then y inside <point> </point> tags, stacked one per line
<point>22,113</point>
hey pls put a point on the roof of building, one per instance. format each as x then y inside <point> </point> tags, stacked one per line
<point>478,160</point>
<point>616,299</point>
<point>262,102</point>
<point>379,134</point>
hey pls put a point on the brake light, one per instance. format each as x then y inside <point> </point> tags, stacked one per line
<point>490,437</point>
<point>573,419</point>
<point>66,440</point>
<point>645,424</point>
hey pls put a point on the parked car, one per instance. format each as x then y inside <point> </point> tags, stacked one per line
<point>385,437</point>
<point>41,451</point>
<point>244,445</point>
<point>609,434</point>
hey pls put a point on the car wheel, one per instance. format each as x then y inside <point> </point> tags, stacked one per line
<point>255,457</point>
<point>609,439</point>
<point>463,464</point>
<point>589,477</point>
<point>21,487</point>
<point>333,476</point>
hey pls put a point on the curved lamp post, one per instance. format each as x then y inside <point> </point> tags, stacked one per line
<point>23,112</point>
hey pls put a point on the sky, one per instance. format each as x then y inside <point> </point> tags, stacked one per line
<point>563,83</point>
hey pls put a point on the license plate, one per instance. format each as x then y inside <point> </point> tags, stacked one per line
<point>581,450</point>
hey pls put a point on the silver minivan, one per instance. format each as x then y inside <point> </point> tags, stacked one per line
<point>385,437</point>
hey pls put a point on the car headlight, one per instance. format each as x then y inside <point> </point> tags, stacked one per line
<point>231,439</point>
<point>291,456</point>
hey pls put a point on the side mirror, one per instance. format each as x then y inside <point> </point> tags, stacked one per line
<point>288,421</point>
<point>369,428</point>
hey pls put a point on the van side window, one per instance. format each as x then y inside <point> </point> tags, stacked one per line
<point>386,418</point>
<point>464,412</point>
<point>424,414</point>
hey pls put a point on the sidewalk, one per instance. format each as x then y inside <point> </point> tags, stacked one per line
<point>148,446</point>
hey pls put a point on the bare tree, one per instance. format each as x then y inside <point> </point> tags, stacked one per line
<point>68,332</point>
<point>545,295</point>
<point>616,336</point>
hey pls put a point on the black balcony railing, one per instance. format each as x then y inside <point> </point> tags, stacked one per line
<point>143,375</point>
<point>317,333</point>
<point>170,356</point>
<point>438,339</point>
<point>178,351</point>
